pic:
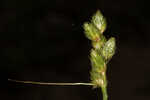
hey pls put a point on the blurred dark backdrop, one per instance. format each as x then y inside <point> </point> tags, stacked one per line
<point>43,40</point>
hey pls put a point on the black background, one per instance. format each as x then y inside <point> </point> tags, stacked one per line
<point>43,40</point>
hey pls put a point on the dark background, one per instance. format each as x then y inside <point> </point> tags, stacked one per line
<point>43,40</point>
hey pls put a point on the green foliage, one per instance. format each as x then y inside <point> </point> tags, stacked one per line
<point>102,51</point>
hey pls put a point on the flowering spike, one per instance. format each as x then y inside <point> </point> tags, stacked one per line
<point>101,53</point>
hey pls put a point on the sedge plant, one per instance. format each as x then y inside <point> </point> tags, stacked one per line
<point>100,54</point>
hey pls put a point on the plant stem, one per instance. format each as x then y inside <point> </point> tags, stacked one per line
<point>104,87</point>
<point>104,91</point>
<point>45,83</point>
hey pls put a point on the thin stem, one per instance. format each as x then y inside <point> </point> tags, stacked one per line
<point>104,91</point>
<point>104,87</point>
<point>45,83</point>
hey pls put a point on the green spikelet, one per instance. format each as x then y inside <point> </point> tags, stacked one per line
<point>99,21</point>
<point>91,31</point>
<point>97,60</point>
<point>98,65</point>
<point>101,53</point>
<point>109,49</point>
